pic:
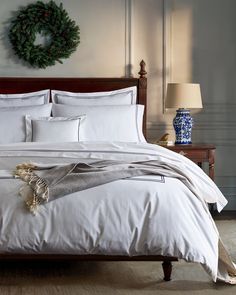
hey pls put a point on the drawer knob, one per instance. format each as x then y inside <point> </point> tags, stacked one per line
<point>182,153</point>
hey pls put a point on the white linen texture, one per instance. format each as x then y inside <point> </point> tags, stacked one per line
<point>12,121</point>
<point>139,216</point>
<point>106,123</point>
<point>124,96</point>
<point>25,99</point>
<point>53,129</point>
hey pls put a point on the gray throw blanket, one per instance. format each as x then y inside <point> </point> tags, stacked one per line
<point>48,182</point>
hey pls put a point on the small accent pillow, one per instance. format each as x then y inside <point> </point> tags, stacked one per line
<point>12,121</point>
<point>107,123</point>
<point>49,129</point>
<point>25,99</point>
<point>124,96</point>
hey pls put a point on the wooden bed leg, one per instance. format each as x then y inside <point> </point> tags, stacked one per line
<point>167,269</point>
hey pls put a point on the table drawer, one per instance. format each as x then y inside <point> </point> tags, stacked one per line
<point>198,153</point>
<point>194,155</point>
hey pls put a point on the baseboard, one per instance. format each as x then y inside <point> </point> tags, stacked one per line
<point>224,215</point>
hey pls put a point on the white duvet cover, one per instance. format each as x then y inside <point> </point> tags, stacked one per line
<point>148,215</point>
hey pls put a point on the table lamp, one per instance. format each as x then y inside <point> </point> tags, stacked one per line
<point>183,96</point>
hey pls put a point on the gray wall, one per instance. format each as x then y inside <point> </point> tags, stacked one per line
<point>188,41</point>
<point>201,47</point>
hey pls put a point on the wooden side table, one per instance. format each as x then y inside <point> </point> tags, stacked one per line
<point>198,153</point>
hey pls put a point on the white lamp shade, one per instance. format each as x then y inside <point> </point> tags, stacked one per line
<point>183,95</point>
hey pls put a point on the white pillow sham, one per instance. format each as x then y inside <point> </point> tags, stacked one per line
<point>107,123</point>
<point>25,99</point>
<point>124,96</point>
<point>50,129</point>
<point>12,121</point>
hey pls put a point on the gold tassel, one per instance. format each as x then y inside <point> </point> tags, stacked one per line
<point>38,185</point>
<point>26,166</point>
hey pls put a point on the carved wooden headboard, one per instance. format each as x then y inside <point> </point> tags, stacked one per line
<point>25,84</point>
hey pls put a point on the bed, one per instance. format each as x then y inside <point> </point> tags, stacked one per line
<point>164,225</point>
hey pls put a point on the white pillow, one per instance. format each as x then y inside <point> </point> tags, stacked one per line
<point>12,121</point>
<point>125,96</point>
<point>25,99</point>
<point>107,123</point>
<point>49,129</point>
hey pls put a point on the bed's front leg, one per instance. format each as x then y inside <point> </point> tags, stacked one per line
<point>167,269</point>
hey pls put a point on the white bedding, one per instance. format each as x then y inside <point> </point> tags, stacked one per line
<point>145,215</point>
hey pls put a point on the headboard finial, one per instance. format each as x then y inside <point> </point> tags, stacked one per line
<point>142,71</point>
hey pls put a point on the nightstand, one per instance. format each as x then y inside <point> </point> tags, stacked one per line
<point>198,153</point>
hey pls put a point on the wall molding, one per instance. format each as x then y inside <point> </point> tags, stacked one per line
<point>198,125</point>
<point>231,203</point>
<point>166,62</point>
<point>128,38</point>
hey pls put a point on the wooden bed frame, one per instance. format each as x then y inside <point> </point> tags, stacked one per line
<point>21,85</point>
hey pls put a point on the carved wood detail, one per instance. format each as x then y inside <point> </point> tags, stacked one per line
<point>142,71</point>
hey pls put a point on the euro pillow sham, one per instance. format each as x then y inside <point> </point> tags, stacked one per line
<point>106,123</point>
<point>124,96</point>
<point>49,129</point>
<point>25,99</point>
<point>12,121</point>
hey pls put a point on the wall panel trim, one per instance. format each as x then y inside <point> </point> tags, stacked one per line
<point>128,38</point>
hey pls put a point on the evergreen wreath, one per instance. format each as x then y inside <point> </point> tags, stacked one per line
<point>49,20</point>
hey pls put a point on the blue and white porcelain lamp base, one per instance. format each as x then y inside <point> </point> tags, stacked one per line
<point>183,123</point>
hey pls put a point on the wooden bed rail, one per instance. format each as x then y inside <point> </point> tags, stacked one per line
<point>166,265</point>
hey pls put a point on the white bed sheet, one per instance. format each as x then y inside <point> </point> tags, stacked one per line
<point>146,215</point>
